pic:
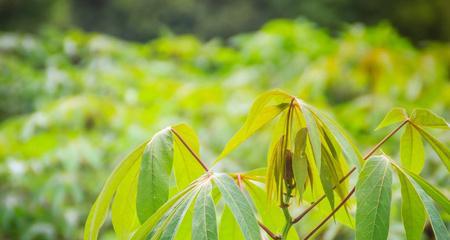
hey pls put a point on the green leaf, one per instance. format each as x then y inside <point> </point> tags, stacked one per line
<point>300,161</point>
<point>439,148</point>
<point>156,167</point>
<point>265,108</point>
<point>99,210</point>
<point>314,133</point>
<point>373,199</point>
<point>412,154</point>
<point>204,225</point>
<point>185,166</point>
<point>438,226</point>
<point>229,228</point>
<point>326,178</point>
<point>123,209</point>
<point>239,205</point>
<point>426,118</point>
<point>413,211</point>
<point>433,192</point>
<point>396,115</point>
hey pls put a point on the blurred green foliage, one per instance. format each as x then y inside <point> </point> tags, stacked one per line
<point>73,103</point>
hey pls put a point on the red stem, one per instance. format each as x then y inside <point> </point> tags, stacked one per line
<point>190,150</point>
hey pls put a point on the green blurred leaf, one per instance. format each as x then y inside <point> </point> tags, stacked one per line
<point>412,154</point>
<point>239,205</point>
<point>413,211</point>
<point>204,225</point>
<point>426,118</point>
<point>265,108</point>
<point>373,199</point>
<point>441,150</point>
<point>314,133</point>
<point>396,115</point>
<point>229,228</point>
<point>156,168</point>
<point>99,210</point>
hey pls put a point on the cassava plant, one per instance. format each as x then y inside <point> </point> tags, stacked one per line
<point>164,190</point>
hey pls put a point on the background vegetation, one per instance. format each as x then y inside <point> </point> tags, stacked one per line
<point>72,103</point>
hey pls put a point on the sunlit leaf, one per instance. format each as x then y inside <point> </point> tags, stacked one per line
<point>186,167</point>
<point>412,154</point>
<point>314,133</point>
<point>396,115</point>
<point>239,206</point>
<point>426,118</point>
<point>413,211</point>
<point>266,107</point>
<point>373,199</point>
<point>99,210</point>
<point>441,150</point>
<point>229,228</point>
<point>204,225</point>
<point>300,161</point>
<point>156,167</point>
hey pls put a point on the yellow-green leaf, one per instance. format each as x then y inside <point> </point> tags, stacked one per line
<point>265,108</point>
<point>300,161</point>
<point>427,118</point>
<point>396,115</point>
<point>440,149</point>
<point>412,154</point>
<point>229,228</point>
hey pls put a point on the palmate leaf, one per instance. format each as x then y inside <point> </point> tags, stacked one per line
<point>204,225</point>
<point>156,167</point>
<point>373,199</point>
<point>239,206</point>
<point>412,154</point>
<point>265,108</point>
<point>396,115</point>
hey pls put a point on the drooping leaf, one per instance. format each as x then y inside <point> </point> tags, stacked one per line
<point>426,118</point>
<point>186,167</point>
<point>229,228</point>
<point>413,211</point>
<point>440,149</point>
<point>433,192</point>
<point>326,177</point>
<point>275,170</point>
<point>396,115</point>
<point>314,133</point>
<point>239,206</point>
<point>300,161</point>
<point>99,210</point>
<point>204,225</point>
<point>438,226</point>
<point>156,167</point>
<point>265,108</point>
<point>123,209</point>
<point>412,154</point>
<point>373,199</point>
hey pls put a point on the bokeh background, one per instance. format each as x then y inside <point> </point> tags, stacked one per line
<point>83,82</point>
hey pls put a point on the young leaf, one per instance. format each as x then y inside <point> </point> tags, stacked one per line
<point>314,133</point>
<point>266,107</point>
<point>394,116</point>
<point>300,161</point>
<point>239,205</point>
<point>439,148</point>
<point>186,167</point>
<point>426,118</point>
<point>412,155</point>
<point>123,209</point>
<point>413,211</point>
<point>100,208</point>
<point>204,225</point>
<point>326,177</point>
<point>156,167</point>
<point>373,199</point>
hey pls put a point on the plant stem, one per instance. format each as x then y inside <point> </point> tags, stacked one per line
<point>370,153</point>
<point>190,150</point>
